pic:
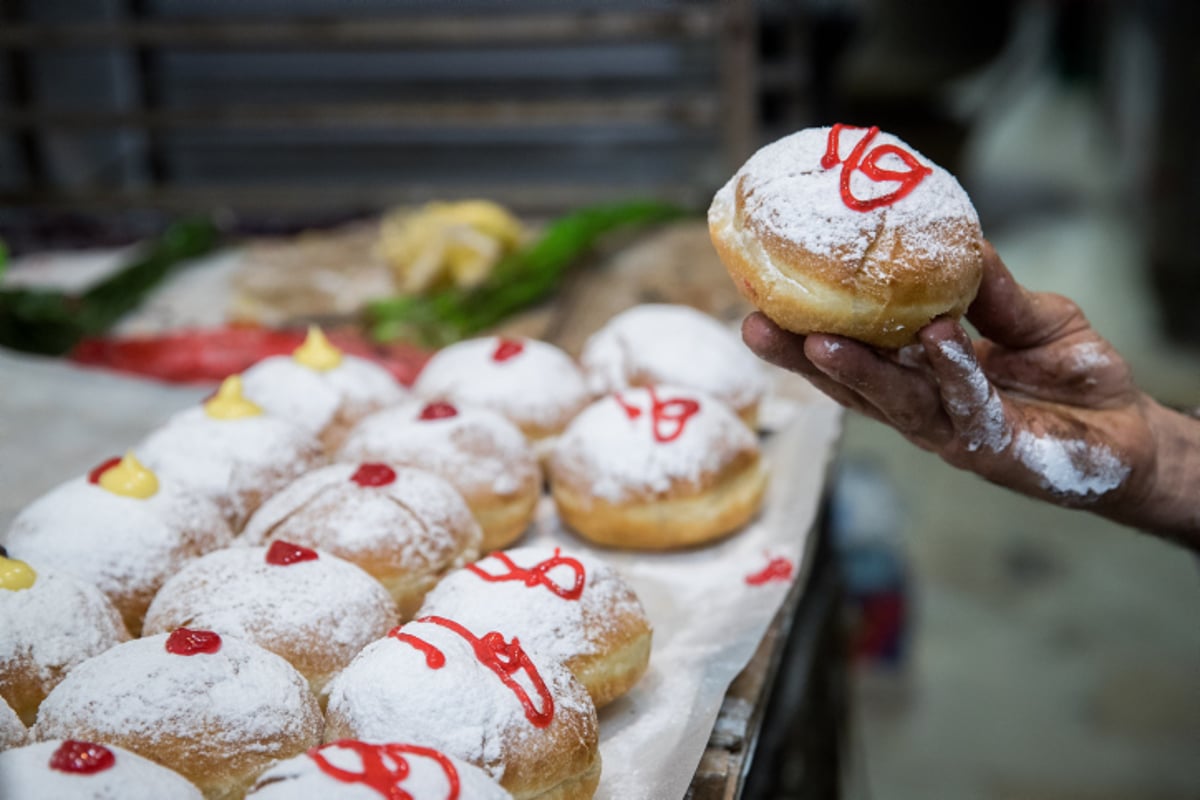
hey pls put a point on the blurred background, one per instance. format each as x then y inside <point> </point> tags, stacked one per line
<point>1000,648</point>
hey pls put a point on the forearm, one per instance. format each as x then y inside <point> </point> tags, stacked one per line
<point>1168,502</point>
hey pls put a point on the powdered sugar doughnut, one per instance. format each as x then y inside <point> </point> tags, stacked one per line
<point>312,608</point>
<point>354,770</point>
<point>529,724</point>
<point>656,468</point>
<point>46,629</point>
<point>12,730</point>
<point>75,770</point>
<point>217,710</point>
<point>483,455</point>
<point>563,607</point>
<point>320,388</point>
<point>849,231</point>
<point>656,344</point>
<point>405,526</point>
<point>120,528</point>
<point>535,385</point>
<point>235,458</point>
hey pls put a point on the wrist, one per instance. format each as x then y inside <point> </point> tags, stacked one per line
<point>1165,499</point>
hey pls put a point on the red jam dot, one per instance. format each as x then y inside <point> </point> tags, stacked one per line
<point>283,553</point>
<point>94,475</point>
<point>374,475</point>
<point>84,758</point>
<point>438,411</point>
<point>506,349</point>
<point>187,642</point>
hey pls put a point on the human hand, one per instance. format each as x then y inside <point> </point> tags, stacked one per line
<point>1041,404</point>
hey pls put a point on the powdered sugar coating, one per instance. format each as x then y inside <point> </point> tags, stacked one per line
<point>314,399</point>
<point>26,773</point>
<point>301,778</point>
<point>606,454</point>
<point>240,701</point>
<point>792,197</point>
<point>50,628</point>
<point>539,388</point>
<point>547,624</point>
<point>675,345</point>
<point>417,524</point>
<point>390,693</point>
<point>476,450</point>
<point>12,730</point>
<point>1071,467</point>
<point>988,426</point>
<point>126,546</point>
<point>234,462</point>
<point>317,614</point>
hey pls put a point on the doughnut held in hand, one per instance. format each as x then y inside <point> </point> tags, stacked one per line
<point>848,231</point>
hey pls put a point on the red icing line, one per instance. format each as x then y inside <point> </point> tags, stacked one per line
<point>538,574</point>
<point>82,758</point>
<point>778,568</point>
<point>438,410</point>
<point>374,475</point>
<point>506,349</point>
<point>105,466</point>
<point>663,414</point>
<point>869,165</point>
<point>283,553</point>
<point>504,659</point>
<point>376,774</point>
<point>187,642</point>
<point>434,658</point>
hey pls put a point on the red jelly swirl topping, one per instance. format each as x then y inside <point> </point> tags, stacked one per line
<point>282,553</point>
<point>434,658</point>
<point>539,573</point>
<point>778,568</point>
<point>82,758</point>
<point>384,766</point>
<point>438,410</point>
<point>501,657</point>
<point>103,467</point>
<point>668,418</point>
<point>869,166</point>
<point>187,642</point>
<point>374,475</point>
<point>506,349</point>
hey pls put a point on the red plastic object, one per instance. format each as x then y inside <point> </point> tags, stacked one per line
<point>209,355</point>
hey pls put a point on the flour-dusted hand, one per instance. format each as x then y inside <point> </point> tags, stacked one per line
<point>1041,404</point>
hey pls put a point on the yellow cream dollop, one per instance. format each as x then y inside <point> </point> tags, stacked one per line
<point>15,575</point>
<point>229,403</point>
<point>129,478</point>
<point>316,352</point>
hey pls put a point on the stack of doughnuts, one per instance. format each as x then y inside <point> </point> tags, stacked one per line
<point>298,561</point>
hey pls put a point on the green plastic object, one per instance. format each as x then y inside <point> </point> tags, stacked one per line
<point>518,281</point>
<point>52,322</point>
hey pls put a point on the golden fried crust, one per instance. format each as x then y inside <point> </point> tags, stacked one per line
<point>580,787</point>
<point>504,519</point>
<point>624,655</point>
<point>680,518</point>
<point>885,302</point>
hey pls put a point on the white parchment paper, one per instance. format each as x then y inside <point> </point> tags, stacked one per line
<point>58,420</point>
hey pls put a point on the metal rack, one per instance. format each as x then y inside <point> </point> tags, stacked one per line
<point>130,104</point>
